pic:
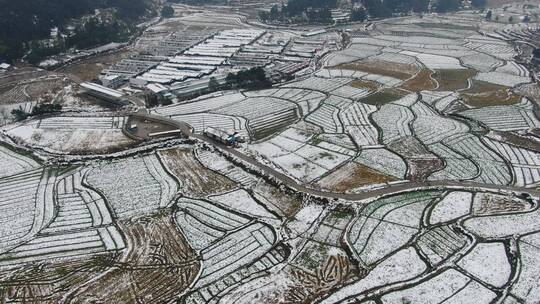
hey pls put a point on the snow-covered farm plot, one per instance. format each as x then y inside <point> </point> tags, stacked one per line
<point>492,168</point>
<point>12,162</point>
<point>525,164</point>
<point>327,117</point>
<point>82,225</point>
<point>394,121</point>
<point>481,62</point>
<point>441,101</point>
<point>396,57</point>
<point>133,186</point>
<point>353,53</point>
<point>288,141</point>
<point>265,115</point>
<point>527,285</point>
<point>363,135</point>
<point>502,78</point>
<point>228,242</point>
<point>501,226</point>
<point>308,100</point>
<point>241,201</point>
<point>26,203</point>
<point>200,105</point>
<point>348,91</point>
<point>494,47</point>
<point>436,62</point>
<point>488,263</point>
<point>429,127</point>
<point>356,121</point>
<point>450,285</point>
<point>506,118</point>
<point>93,123</point>
<point>335,72</point>
<point>401,266</point>
<point>291,152</point>
<point>411,38</point>
<point>387,224</point>
<point>220,164</point>
<point>73,134</point>
<point>513,68</point>
<point>454,205</point>
<point>339,143</point>
<point>200,121</point>
<point>324,85</point>
<point>441,243</point>
<point>384,161</point>
<point>309,162</point>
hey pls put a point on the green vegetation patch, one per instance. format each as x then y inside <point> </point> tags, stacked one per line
<point>453,79</point>
<point>383,97</point>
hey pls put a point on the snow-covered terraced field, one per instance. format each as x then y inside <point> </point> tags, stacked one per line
<point>384,161</point>
<point>199,106</point>
<point>457,166</point>
<point>218,163</point>
<point>319,84</point>
<point>228,244</point>
<point>525,164</point>
<point>12,162</point>
<point>394,120</point>
<point>327,117</point>
<point>72,123</point>
<point>82,225</point>
<point>26,200</point>
<point>492,167</point>
<point>200,121</point>
<point>481,62</point>
<point>386,225</point>
<point>135,185</point>
<point>501,78</point>
<point>506,118</point>
<point>429,127</point>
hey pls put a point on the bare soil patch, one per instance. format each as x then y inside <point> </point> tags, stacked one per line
<point>284,204</point>
<point>383,97</point>
<point>365,84</point>
<point>421,81</point>
<point>197,180</point>
<point>351,176</point>
<point>157,265</point>
<point>453,79</point>
<point>484,94</point>
<point>421,163</point>
<point>89,69</point>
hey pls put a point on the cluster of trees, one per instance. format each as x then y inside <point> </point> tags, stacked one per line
<point>167,11</point>
<point>383,9</point>
<point>319,10</point>
<point>153,100</point>
<point>359,14</point>
<point>24,22</point>
<point>301,11</point>
<point>42,109</point>
<point>252,79</point>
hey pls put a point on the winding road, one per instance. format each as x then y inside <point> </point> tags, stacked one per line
<point>364,194</point>
<point>404,186</point>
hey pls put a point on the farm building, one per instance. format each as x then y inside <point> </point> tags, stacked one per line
<point>103,93</point>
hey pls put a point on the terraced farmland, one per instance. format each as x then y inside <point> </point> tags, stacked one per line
<point>391,161</point>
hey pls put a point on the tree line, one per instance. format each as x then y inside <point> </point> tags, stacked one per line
<point>24,23</point>
<point>319,10</point>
